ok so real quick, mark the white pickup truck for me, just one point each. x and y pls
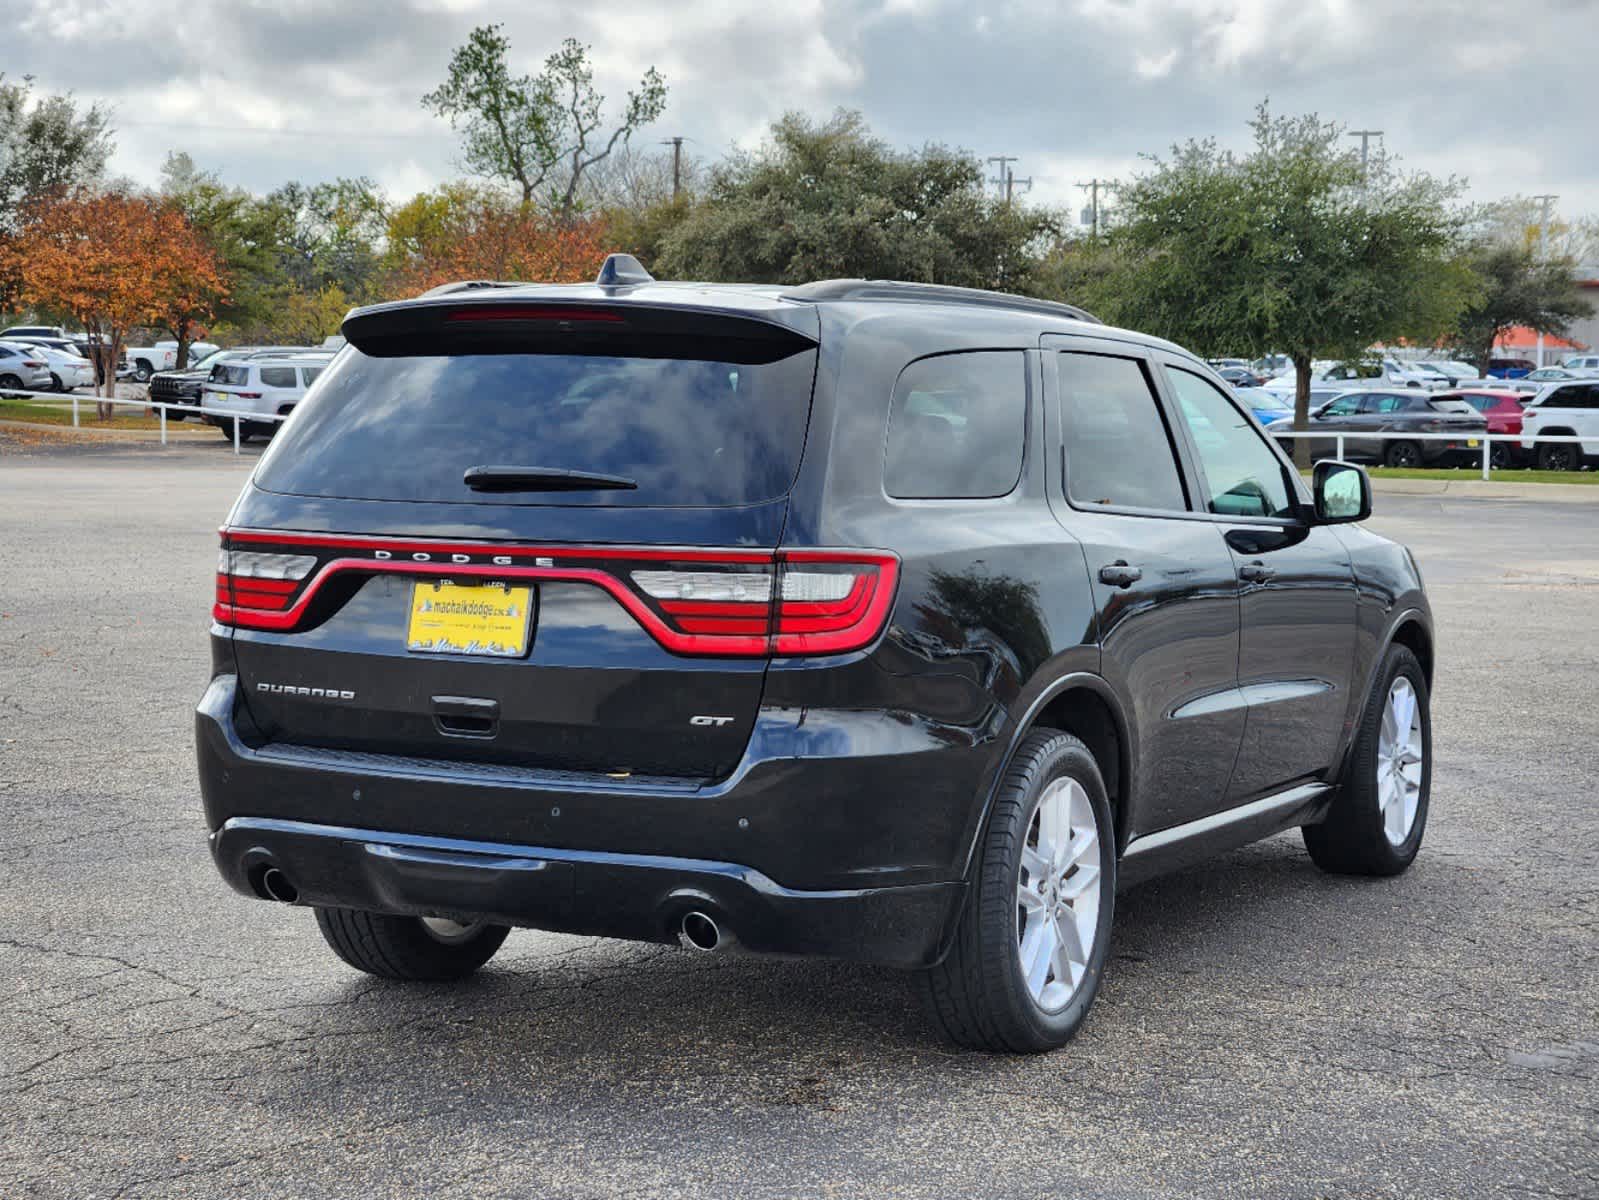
(145, 361)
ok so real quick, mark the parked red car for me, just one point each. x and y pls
(1502, 409)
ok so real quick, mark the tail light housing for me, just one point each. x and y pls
(693, 601)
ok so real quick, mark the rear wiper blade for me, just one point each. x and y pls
(543, 479)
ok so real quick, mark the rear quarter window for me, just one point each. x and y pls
(278, 377)
(957, 427)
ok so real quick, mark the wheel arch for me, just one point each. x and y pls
(1411, 629)
(1087, 707)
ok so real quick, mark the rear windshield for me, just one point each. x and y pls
(688, 432)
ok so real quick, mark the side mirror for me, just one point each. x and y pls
(1342, 491)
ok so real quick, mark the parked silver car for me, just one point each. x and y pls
(23, 368)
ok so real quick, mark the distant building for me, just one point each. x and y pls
(1586, 331)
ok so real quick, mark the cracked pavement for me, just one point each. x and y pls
(1264, 1030)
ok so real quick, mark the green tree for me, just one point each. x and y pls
(47, 143)
(1526, 275)
(1517, 289)
(1292, 247)
(830, 200)
(535, 130)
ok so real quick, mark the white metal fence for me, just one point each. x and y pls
(160, 405)
(1485, 441)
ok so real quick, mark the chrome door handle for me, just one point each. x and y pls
(1119, 574)
(1256, 572)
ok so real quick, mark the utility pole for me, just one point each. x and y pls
(1006, 175)
(1092, 188)
(1365, 136)
(676, 144)
(1547, 201)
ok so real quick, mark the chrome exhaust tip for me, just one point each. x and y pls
(276, 886)
(700, 932)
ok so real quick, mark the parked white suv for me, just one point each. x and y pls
(259, 387)
(1586, 364)
(1562, 409)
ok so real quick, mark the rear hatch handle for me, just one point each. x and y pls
(466, 716)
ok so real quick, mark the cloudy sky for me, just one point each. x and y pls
(266, 91)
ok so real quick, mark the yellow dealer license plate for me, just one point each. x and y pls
(1472, 442)
(488, 619)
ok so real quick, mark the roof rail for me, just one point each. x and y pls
(466, 285)
(888, 289)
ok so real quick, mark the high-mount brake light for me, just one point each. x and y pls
(509, 313)
(692, 600)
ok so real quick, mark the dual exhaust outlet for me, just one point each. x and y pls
(697, 931)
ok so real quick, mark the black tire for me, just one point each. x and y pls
(1560, 456)
(977, 995)
(142, 371)
(1402, 454)
(1500, 457)
(11, 382)
(1352, 841)
(403, 947)
(55, 383)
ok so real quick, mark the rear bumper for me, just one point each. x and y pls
(643, 898)
(580, 855)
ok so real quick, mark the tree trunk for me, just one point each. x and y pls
(182, 333)
(112, 351)
(1302, 410)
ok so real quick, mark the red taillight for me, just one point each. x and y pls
(28, 362)
(825, 602)
(247, 580)
(723, 603)
(526, 313)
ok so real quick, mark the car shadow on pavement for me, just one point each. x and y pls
(577, 1019)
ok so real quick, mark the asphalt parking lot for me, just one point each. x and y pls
(1264, 1030)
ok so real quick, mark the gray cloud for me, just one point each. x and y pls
(270, 91)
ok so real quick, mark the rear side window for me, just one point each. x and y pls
(957, 427)
(1118, 450)
(278, 377)
(687, 432)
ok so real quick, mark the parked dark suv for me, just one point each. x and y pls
(874, 620)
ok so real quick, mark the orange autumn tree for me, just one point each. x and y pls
(460, 233)
(188, 282)
(114, 261)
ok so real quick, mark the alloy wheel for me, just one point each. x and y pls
(1057, 894)
(451, 933)
(1400, 761)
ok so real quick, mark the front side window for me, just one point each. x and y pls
(1243, 478)
(1118, 450)
(1344, 406)
(957, 427)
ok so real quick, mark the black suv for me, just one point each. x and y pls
(882, 621)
